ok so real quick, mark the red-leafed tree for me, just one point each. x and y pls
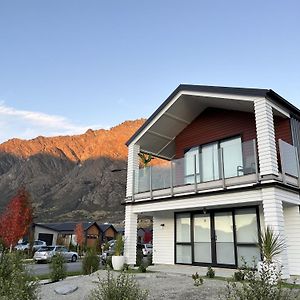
(16, 219)
(79, 232)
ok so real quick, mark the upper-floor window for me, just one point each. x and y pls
(206, 160)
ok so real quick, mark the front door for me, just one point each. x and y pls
(214, 239)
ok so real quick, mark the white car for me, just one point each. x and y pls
(147, 249)
(47, 252)
(37, 244)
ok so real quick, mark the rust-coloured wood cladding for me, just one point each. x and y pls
(283, 129)
(92, 236)
(215, 124)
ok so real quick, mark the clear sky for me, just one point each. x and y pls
(67, 65)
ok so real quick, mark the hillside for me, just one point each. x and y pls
(69, 177)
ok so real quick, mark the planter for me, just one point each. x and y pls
(118, 262)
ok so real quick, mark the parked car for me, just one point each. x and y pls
(147, 249)
(37, 244)
(47, 252)
(107, 253)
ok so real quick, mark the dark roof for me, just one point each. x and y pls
(67, 227)
(104, 227)
(218, 89)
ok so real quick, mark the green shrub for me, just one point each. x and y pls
(197, 279)
(142, 268)
(90, 262)
(239, 275)
(119, 245)
(108, 263)
(58, 269)
(126, 268)
(15, 281)
(260, 285)
(139, 257)
(122, 287)
(149, 259)
(210, 272)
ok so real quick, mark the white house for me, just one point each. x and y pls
(231, 169)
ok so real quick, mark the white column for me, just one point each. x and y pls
(130, 235)
(132, 165)
(265, 131)
(274, 218)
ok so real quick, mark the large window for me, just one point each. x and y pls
(246, 236)
(183, 239)
(208, 160)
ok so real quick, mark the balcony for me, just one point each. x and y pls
(233, 164)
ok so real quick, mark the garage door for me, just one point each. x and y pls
(46, 237)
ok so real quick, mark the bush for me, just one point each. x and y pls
(139, 256)
(197, 279)
(119, 245)
(90, 262)
(210, 272)
(126, 268)
(122, 287)
(239, 275)
(58, 269)
(149, 259)
(142, 268)
(260, 285)
(108, 263)
(15, 281)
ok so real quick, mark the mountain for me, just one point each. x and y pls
(69, 177)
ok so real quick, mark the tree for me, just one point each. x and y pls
(16, 219)
(79, 232)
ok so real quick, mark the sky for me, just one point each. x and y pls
(66, 66)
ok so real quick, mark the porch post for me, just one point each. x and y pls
(273, 218)
(132, 165)
(265, 131)
(130, 235)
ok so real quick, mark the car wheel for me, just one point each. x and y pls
(74, 258)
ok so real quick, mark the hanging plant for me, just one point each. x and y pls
(145, 159)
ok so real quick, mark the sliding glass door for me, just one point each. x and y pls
(206, 161)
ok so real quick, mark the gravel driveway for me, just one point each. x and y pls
(159, 285)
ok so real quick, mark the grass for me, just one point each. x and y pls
(69, 274)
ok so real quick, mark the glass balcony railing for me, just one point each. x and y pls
(231, 160)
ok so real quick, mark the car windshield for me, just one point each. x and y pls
(43, 249)
(149, 245)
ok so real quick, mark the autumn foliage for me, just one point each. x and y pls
(16, 219)
(79, 232)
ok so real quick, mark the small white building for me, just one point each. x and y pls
(231, 169)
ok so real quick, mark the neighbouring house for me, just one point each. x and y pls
(108, 232)
(230, 167)
(63, 233)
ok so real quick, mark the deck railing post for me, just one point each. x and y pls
(297, 164)
(133, 185)
(222, 168)
(150, 182)
(195, 172)
(255, 160)
(282, 161)
(171, 179)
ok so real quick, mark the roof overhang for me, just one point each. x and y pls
(187, 102)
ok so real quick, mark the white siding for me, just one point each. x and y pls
(38, 230)
(265, 137)
(163, 238)
(273, 217)
(292, 230)
(132, 165)
(130, 235)
(208, 201)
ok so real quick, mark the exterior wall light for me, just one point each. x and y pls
(162, 226)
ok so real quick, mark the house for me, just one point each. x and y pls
(108, 232)
(230, 168)
(53, 233)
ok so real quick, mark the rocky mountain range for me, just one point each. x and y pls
(69, 177)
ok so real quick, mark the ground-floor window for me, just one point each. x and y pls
(218, 238)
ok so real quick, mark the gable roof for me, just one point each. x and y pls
(66, 227)
(156, 136)
(104, 227)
